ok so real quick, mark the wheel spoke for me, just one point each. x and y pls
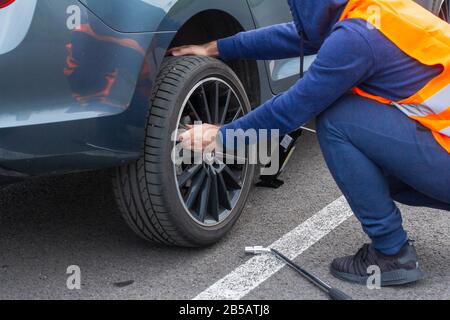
(216, 103)
(225, 109)
(224, 197)
(237, 115)
(231, 179)
(206, 105)
(213, 203)
(188, 175)
(195, 189)
(204, 197)
(194, 111)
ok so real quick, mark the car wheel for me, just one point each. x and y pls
(186, 205)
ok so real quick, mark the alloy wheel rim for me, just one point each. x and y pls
(210, 191)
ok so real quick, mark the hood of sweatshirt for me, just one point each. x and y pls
(315, 19)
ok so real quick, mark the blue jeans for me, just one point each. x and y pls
(377, 155)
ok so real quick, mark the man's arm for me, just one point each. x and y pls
(345, 60)
(276, 42)
(271, 43)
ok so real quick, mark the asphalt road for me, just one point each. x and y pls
(49, 224)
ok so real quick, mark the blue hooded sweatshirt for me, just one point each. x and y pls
(349, 54)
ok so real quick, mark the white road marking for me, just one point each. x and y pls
(258, 269)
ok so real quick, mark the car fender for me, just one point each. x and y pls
(162, 15)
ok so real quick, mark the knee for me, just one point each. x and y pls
(324, 121)
(327, 123)
(345, 112)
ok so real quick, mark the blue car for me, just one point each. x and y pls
(87, 85)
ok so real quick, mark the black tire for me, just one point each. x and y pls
(147, 191)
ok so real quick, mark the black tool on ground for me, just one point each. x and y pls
(333, 293)
(286, 149)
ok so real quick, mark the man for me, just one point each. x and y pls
(389, 140)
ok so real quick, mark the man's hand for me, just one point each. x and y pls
(208, 50)
(200, 137)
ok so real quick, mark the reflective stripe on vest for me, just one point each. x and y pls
(440, 101)
(424, 37)
(445, 131)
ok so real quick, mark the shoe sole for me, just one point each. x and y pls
(392, 278)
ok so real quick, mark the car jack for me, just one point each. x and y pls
(285, 151)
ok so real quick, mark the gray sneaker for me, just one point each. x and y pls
(399, 269)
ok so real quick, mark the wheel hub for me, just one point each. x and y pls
(209, 158)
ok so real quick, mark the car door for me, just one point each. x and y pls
(283, 73)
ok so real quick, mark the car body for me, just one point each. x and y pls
(46, 128)
(77, 77)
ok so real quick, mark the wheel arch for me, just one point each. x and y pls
(203, 28)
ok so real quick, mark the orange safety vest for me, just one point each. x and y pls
(424, 37)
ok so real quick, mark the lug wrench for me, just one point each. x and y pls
(333, 293)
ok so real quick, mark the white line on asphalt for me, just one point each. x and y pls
(258, 269)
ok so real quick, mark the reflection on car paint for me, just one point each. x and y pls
(15, 21)
(91, 80)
